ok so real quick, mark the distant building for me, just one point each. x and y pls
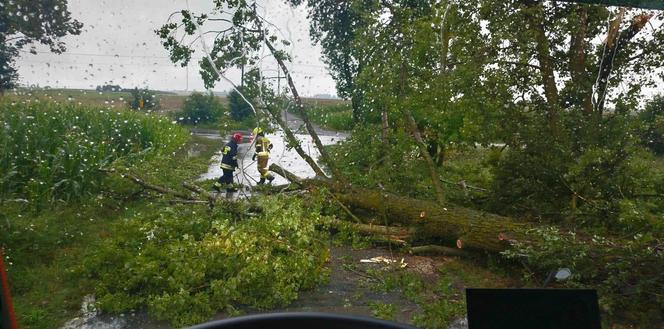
(325, 96)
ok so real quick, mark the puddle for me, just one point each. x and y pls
(89, 318)
(247, 174)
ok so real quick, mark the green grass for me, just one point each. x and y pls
(659, 163)
(383, 311)
(44, 250)
(440, 298)
(331, 116)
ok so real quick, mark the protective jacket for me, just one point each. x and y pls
(263, 146)
(229, 156)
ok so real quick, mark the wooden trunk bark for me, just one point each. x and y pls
(415, 131)
(292, 140)
(433, 171)
(452, 225)
(614, 44)
(577, 65)
(429, 221)
(535, 19)
(303, 114)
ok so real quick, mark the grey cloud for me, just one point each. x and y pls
(118, 45)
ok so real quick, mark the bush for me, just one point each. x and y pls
(240, 110)
(53, 152)
(109, 88)
(397, 167)
(582, 176)
(201, 108)
(143, 99)
(652, 122)
(184, 271)
(626, 275)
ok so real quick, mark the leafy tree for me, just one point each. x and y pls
(8, 74)
(239, 108)
(547, 58)
(572, 152)
(24, 22)
(109, 88)
(523, 72)
(652, 119)
(143, 99)
(238, 45)
(200, 108)
(333, 25)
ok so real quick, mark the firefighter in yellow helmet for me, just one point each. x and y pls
(263, 148)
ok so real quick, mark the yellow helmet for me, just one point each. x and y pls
(257, 131)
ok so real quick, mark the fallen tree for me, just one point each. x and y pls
(614, 266)
(427, 220)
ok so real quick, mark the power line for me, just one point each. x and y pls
(104, 55)
(121, 65)
(145, 56)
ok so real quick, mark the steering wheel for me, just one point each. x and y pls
(302, 320)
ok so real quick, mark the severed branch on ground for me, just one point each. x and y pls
(448, 228)
(438, 250)
(199, 196)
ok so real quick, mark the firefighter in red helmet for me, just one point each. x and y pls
(228, 165)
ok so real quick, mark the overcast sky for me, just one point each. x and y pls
(118, 46)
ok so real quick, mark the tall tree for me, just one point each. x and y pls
(333, 25)
(547, 51)
(240, 33)
(25, 22)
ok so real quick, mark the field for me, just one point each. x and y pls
(168, 101)
(116, 100)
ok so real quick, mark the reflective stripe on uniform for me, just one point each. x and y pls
(263, 146)
(226, 166)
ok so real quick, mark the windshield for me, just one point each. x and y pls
(168, 163)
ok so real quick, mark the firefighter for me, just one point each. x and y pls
(228, 165)
(263, 148)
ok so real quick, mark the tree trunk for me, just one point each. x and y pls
(300, 109)
(435, 178)
(303, 114)
(424, 150)
(445, 40)
(453, 225)
(293, 141)
(438, 250)
(614, 43)
(535, 17)
(355, 108)
(430, 221)
(581, 80)
(386, 127)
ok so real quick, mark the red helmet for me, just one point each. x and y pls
(237, 137)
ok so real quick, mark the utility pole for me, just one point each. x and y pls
(278, 82)
(242, 78)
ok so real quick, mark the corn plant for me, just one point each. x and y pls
(51, 152)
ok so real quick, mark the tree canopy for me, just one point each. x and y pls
(24, 23)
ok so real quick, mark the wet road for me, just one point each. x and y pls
(247, 174)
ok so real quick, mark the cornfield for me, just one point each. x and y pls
(51, 152)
